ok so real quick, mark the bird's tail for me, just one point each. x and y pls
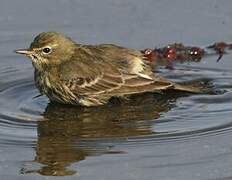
(199, 87)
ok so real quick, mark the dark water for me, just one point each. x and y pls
(170, 136)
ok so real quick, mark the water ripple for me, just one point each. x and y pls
(32, 122)
(146, 115)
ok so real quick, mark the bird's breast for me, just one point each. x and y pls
(53, 89)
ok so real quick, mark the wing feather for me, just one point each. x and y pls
(103, 77)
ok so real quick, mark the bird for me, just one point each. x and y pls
(90, 75)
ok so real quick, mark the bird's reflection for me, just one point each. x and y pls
(68, 134)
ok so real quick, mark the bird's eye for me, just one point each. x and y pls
(47, 50)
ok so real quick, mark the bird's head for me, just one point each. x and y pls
(49, 49)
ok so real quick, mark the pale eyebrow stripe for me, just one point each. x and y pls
(54, 45)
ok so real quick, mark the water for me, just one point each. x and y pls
(170, 136)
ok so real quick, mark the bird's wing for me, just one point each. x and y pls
(127, 60)
(137, 83)
(100, 77)
(89, 81)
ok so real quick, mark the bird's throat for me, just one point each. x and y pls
(39, 64)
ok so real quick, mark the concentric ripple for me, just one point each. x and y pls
(167, 136)
(148, 117)
(29, 120)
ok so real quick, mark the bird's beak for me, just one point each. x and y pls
(26, 52)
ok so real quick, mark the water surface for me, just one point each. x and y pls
(168, 136)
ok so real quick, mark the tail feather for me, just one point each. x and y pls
(200, 87)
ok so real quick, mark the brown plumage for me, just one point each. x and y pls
(89, 75)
